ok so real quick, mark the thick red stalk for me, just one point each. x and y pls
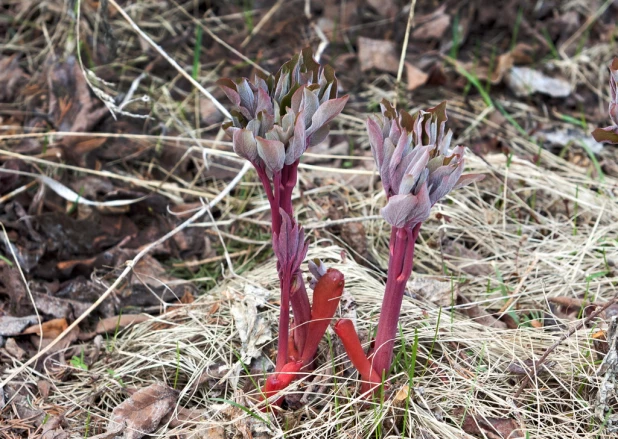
(346, 332)
(301, 308)
(284, 323)
(399, 270)
(326, 297)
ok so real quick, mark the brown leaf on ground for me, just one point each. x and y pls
(433, 290)
(11, 326)
(118, 322)
(415, 77)
(464, 259)
(377, 54)
(517, 368)
(14, 349)
(570, 303)
(143, 411)
(51, 328)
(386, 8)
(355, 236)
(71, 106)
(53, 428)
(11, 78)
(479, 315)
(432, 26)
(492, 428)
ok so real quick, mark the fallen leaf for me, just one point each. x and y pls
(479, 315)
(253, 329)
(118, 322)
(524, 81)
(517, 368)
(432, 26)
(435, 291)
(143, 411)
(11, 326)
(415, 77)
(53, 428)
(377, 54)
(51, 328)
(491, 428)
(13, 349)
(11, 78)
(386, 8)
(562, 137)
(464, 259)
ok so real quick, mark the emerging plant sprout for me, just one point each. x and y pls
(275, 119)
(417, 168)
(610, 134)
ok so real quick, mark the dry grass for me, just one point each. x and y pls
(462, 366)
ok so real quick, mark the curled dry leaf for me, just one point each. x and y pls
(111, 324)
(435, 291)
(479, 315)
(492, 428)
(143, 411)
(432, 26)
(377, 54)
(415, 76)
(11, 326)
(51, 328)
(524, 81)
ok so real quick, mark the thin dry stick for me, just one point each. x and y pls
(537, 365)
(127, 270)
(405, 47)
(258, 27)
(180, 70)
(23, 278)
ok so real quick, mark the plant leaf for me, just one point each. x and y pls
(272, 152)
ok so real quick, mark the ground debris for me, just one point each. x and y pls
(143, 411)
(607, 394)
(525, 81)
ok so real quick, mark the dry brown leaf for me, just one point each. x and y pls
(14, 349)
(11, 77)
(464, 259)
(479, 315)
(415, 77)
(386, 8)
(568, 302)
(377, 54)
(117, 322)
(433, 290)
(143, 411)
(432, 26)
(492, 428)
(51, 328)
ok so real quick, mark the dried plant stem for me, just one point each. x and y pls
(537, 365)
(130, 264)
(404, 49)
(179, 69)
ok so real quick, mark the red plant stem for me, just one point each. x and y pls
(301, 308)
(399, 270)
(344, 329)
(284, 324)
(288, 184)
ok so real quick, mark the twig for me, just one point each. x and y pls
(406, 38)
(258, 27)
(180, 70)
(127, 270)
(537, 365)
